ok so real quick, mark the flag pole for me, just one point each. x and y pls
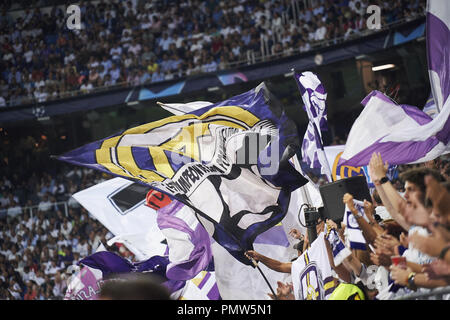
(255, 264)
(322, 148)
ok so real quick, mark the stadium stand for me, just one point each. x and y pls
(129, 43)
(43, 231)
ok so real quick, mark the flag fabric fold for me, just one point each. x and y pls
(438, 48)
(110, 263)
(430, 107)
(188, 242)
(150, 225)
(119, 204)
(402, 134)
(227, 161)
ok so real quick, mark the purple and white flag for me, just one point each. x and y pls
(111, 263)
(119, 205)
(188, 241)
(438, 47)
(353, 232)
(85, 283)
(430, 107)
(338, 248)
(402, 134)
(314, 97)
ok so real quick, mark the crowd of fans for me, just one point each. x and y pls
(405, 227)
(140, 42)
(41, 239)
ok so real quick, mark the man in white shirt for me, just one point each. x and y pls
(28, 55)
(45, 204)
(135, 48)
(196, 45)
(66, 228)
(116, 51)
(51, 268)
(82, 248)
(86, 87)
(165, 42)
(14, 210)
(114, 73)
(320, 32)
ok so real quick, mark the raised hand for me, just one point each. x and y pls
(348, 200)
(294, 233)
(380, 259)
(369, 209)
(377, 169)
(386, 244)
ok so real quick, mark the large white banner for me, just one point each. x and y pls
(119, 204)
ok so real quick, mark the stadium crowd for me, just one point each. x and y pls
(41, 240)
(140, 42)
(405, 227)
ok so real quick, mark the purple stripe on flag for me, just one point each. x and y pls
(438, 46)
(214, 294)
(413, 112)
(416, 114)
(377, 94)
(167, 220)
(172, 208)
(204, 280)
(274, 236)
(444, 134)
(107, 262)
(395, 153)
(199, 257)
(174, 285)
(88, 279)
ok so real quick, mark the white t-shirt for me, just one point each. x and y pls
(312, 276)
(28, 56)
